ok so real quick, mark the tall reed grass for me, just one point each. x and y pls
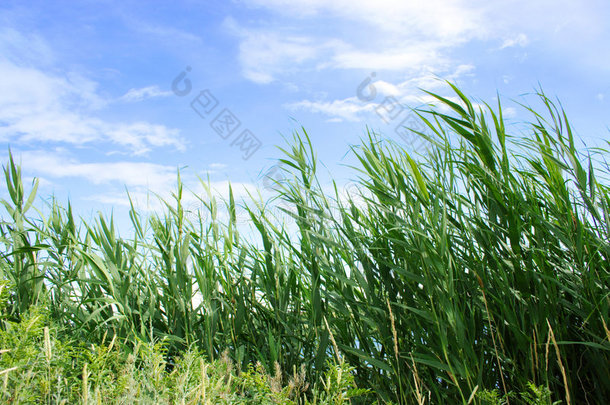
(481, 265)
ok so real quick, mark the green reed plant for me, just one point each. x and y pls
(484, 255)
(480, 266)
(20, 265)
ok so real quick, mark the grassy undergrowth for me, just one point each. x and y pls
(466, 275)
(40, 368)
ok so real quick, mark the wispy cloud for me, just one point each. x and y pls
(43, 105)
(349, 109)
(449, 19)
(265, 53)
(145, 93)
(146, 182)
(142, 137)
(167, 33)
(395, 35)
(25, 49)
(519, 40)
(404, 57)
(60, 165)
(407, 92)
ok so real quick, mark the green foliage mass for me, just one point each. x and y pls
(39, 368)
(465, 274)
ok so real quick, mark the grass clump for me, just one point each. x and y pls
(462, 275)
(36, 367)
(535, 395)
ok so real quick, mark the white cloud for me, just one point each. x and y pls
(25, 49)
(170, 34)
(381, 35)
(509, 112)
(43, 105)
(387, 89)
(264, 53)
(132, 174)
(349, 109)
(145, 93)
(519, 40)
(142, 137)
(383, 95)
(433, 18)
(146, 182)
(405, 57)
(400, 35)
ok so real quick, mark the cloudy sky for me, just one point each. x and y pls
(100, 97)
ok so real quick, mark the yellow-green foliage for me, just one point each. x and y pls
(37, 368)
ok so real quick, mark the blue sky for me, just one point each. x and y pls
(87, 105)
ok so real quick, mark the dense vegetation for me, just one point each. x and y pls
(468, 274)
